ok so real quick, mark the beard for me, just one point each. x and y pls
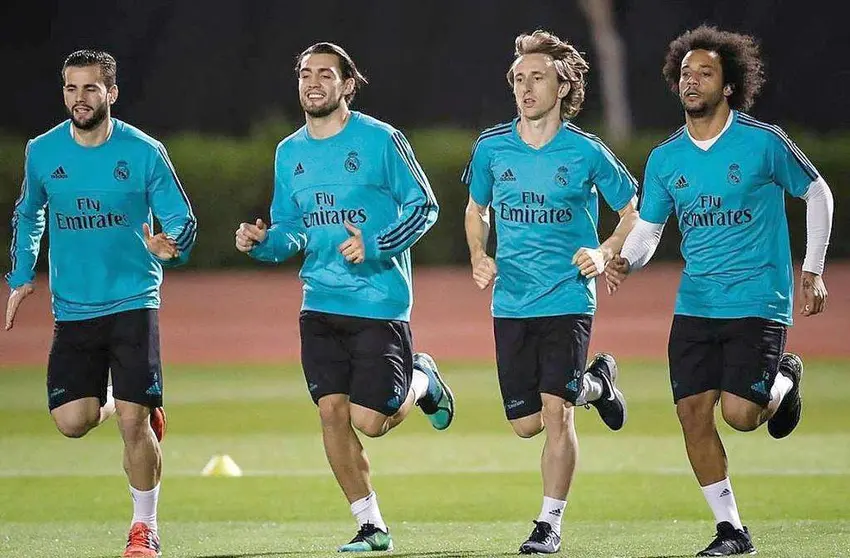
(322, 110)
(97, 117)
(697, 111)
(705, 108)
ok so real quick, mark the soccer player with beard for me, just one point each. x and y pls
(543, 176)
(725, 175)
(349, 192)
(104, 182)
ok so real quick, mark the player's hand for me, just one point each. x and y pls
(591, 261)
(616, 272)
(249, 235)
(159, 244)
(484, 271)
(813, 292)
(15, 298)
(353, 248)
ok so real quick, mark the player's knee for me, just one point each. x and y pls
(74, 428)
(553, 408)
(528, 427)
(743, 419)
(74, 421)
(373, 428)
(369, 422)
(334, 411)
(134, 427)
(528, 432)
(556, 412)
(694, 415)
(133, 421)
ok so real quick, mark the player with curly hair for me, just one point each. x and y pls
(725, 175)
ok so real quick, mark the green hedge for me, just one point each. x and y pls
(229, 180)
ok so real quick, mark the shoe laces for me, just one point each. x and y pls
(718, 538)
(366, 530)
(731, 538)
(141, 536)
(542, 532)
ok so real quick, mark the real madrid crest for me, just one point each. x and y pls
(734, 174)
(562, 177)
(122, 170)
(352, 163)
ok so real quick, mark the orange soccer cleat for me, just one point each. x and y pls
(142, 542)
(158, 422)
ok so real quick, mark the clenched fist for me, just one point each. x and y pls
(249, 235)
(484, 271)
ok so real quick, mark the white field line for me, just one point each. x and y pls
(836, 471)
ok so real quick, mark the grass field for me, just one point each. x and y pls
(470, 491)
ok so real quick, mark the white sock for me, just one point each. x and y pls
(591, 388)
(419, 384)
(552, 512)
(108, 408)
(144, 506)
(721, 500)
(781, 386)
(365, 510)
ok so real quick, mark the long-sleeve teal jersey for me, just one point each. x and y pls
(730, 204)
(368, 176)
(94, 201)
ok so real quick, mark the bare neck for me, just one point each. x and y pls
(94, 137)
(323, 127)
(708, 126)
(538, 133)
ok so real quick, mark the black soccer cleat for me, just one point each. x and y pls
(729, 541)
(787, 416)
(542, 540)
(611, 405)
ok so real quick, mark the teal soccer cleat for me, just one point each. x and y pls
(369, 538)
(438, 403)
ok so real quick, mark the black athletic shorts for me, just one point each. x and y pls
(540, 355)
(85, 352)
(369, 360)
(739, 355)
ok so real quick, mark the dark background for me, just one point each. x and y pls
(224, 66)
(214, 80)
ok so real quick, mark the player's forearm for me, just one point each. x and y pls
(281, 243)
(187, 235)
(404, 233)
(27, 230)
(641, 242)
(819, 209)
(614, 243)
(184, 231)
(477, 228)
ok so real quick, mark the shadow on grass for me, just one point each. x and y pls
(452, 554)
(428, 554)
(431, 554)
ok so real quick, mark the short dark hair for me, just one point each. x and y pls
(87, 57)
(740, 59)
(346, 64)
